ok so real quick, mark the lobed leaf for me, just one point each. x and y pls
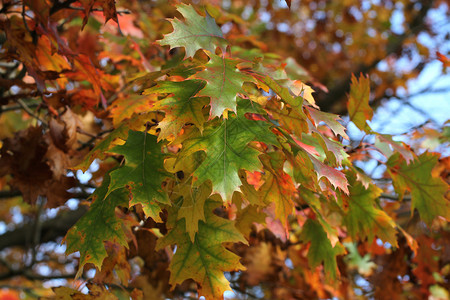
(101, 149)
(180, 107)
(363, 219)
(278, 187)
(226, 144)
(192, 209)
(321, 249)
(336, 177)
(97, 226)
(204, 259)
(224, 83)
(358, 106)
(427, 192)
(331, 120)
(143, 172)
(195, 32)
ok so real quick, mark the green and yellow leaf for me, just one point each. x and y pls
(204, 259)
(143, 172)
(195, 32)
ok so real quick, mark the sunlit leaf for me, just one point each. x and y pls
(195, 32)
(224, 83)
(358, 106)
(226, 143)
(205, 259)
(427, 191)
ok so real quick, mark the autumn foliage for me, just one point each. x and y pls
(208, 163)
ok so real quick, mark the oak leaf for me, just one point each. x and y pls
(204, 259)
(321, 249)
(143, 172)
(192, 209)
(358, 106)
(224, 83)
(363, 218)
(97, 226)
(278, 187)
(331, 120)
(195, 32)
(226, 143)
(427, 192)
(181, 106)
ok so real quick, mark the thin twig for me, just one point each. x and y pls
(36, 230)
(92, 139)
(394, 197)
(15, 193)
(9, 194)
(30, 112)
(25, 22)
(17, 107)
(81, 131)
(125, 11)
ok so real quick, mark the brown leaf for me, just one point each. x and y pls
(258, 263)
(25, 158)
(109, 10)
(116, 264)
(63, 130)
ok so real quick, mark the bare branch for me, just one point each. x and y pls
(125, 11)
(417, 24)
(394, 197)
(51, 229)
(9, 194)
(30, 112)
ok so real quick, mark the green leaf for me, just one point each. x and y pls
(143, 172)
(98, 225)
(224, 82)
(427, 192)
(363, 219)
(226, 143)
(321, 249)
(303, 170)
(355, 260)
(324, 209)
(358, 106)
(205, 259)
(195, 32)
(180, 107)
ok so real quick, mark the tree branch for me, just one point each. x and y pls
(32, 276)
(119, 12)
(15, 193)
(9, 194)
(51, 229)
(339, 90)
(30, 112)
(395, 197)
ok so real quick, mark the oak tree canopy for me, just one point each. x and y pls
(154, 150)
